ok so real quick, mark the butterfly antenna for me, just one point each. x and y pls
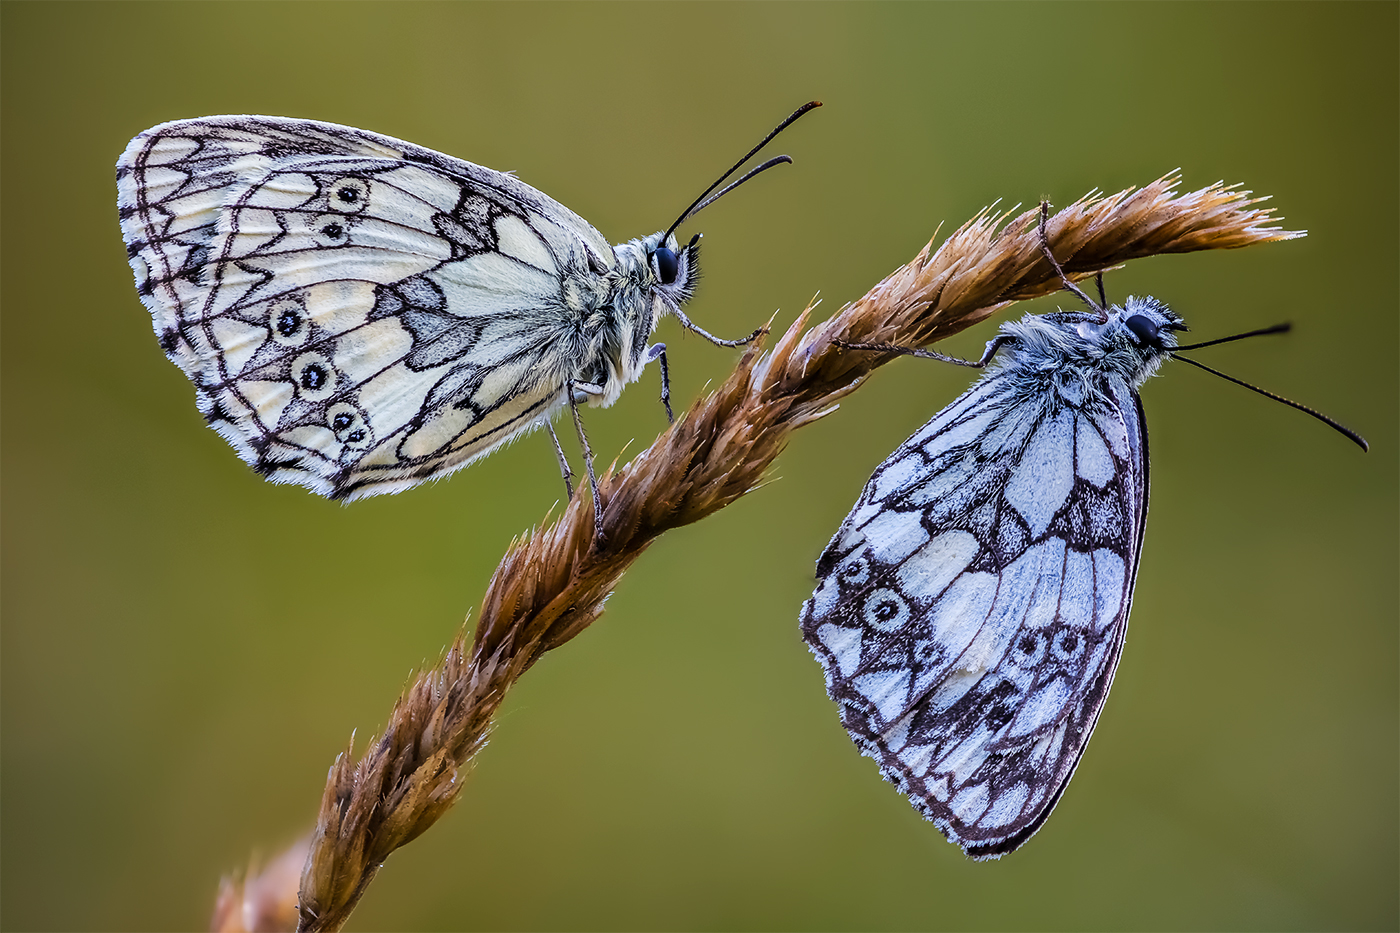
(1102, 309)
(776, 160)
(1356, 438)
(705, 200)
(1276, 329)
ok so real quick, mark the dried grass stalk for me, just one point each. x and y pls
(551, 584)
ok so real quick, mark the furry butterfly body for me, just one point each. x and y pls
(971, 610)
(359, 314)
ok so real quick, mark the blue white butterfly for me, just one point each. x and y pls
(359, 314)
(971, 609)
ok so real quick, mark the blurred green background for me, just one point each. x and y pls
(180, 666)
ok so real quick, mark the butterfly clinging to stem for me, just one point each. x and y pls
(970, 611)
(359, 314)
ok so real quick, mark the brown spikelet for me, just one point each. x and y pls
(552, 583)
(264, 899)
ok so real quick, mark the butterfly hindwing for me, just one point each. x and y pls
(357, 313)
(971, 609)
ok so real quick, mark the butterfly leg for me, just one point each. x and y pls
(575, 390)
(1055, 264)
(690, 325)
(563, 461)
(658, 352)
(993, 346)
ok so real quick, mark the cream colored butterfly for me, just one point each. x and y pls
(359, 314)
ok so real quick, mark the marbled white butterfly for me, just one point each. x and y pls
(971, 609)
(359, 314)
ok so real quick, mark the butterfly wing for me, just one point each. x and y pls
(357, 313)
(971, 609)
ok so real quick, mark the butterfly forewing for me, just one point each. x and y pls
(971, 609)
(357, 313)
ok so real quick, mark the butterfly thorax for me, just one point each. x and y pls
(617, 325)
(1082, 359)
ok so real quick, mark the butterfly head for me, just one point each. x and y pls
(670, 269)
(1140, 335)
(1150, 324)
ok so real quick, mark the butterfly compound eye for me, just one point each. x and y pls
(1143, 329)
(667, 265)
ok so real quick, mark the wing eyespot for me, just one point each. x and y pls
(331, 230)
(886, 610)
(314, 377)
(855, 572)
(1067, 646)
(288, 321)
(350, 426)
(1029, 651)
(348, 195)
